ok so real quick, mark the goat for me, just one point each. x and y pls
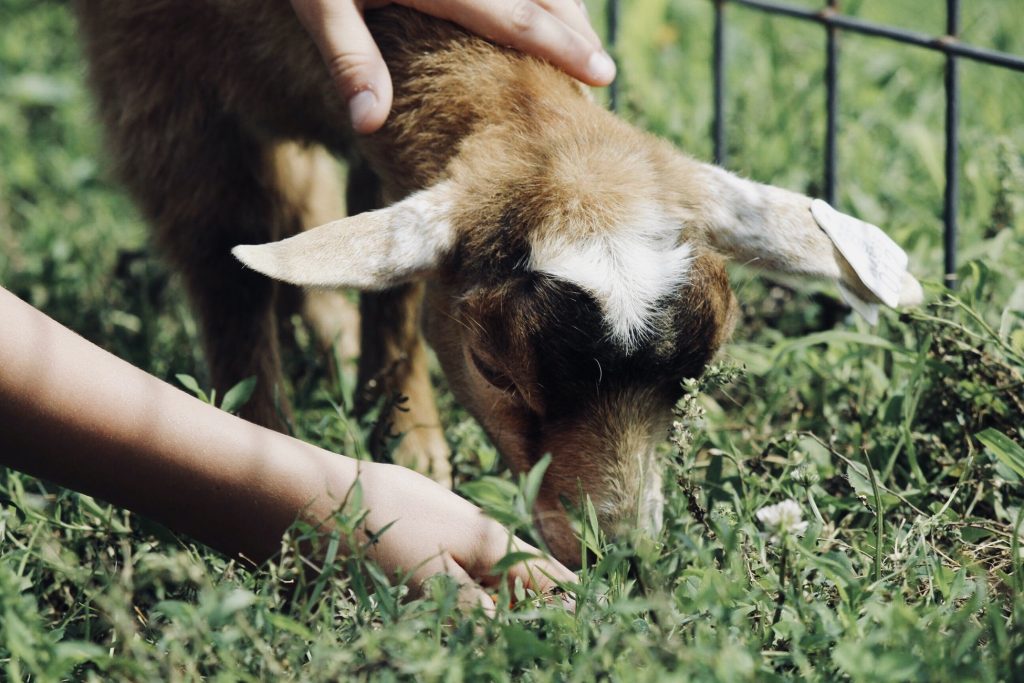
(568, 268)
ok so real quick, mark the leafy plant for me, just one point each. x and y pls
(899, 445)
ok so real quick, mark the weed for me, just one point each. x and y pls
(898, 445)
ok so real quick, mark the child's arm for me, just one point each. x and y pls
(75, 414)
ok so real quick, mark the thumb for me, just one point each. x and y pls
(352, 57)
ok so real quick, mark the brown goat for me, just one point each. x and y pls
(572, 264)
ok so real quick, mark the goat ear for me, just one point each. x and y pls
(779, 230)
(370, 251)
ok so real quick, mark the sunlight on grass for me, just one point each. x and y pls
(899, 447)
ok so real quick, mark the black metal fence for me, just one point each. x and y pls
(833, 21)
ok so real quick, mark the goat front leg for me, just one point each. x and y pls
(309, 182)
(394, 364)
(236, 314)
(206, 184)
(235, 306)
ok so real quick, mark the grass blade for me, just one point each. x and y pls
(1004, 448)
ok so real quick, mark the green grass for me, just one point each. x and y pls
(901, 443)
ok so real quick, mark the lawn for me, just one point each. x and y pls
(900, 444)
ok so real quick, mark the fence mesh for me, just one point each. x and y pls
(834, 22)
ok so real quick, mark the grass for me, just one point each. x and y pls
(901, 443)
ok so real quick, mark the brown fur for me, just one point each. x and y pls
(208, 107)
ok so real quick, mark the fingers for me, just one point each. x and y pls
(431, 531)
(572, 13)
(470, 592)
(554, 30)
(352, 57)
(542, 574)
(538, 572)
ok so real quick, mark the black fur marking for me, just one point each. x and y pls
(492, 261)
(563, 328)
(576, 354)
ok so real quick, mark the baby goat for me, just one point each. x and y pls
(568, 268)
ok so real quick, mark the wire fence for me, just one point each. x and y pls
(834, 22)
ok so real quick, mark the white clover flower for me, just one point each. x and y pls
(782, 519)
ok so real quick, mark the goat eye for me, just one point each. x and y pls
(495, 377)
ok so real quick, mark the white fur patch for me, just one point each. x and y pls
(627, 269)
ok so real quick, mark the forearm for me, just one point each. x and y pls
(77, 415)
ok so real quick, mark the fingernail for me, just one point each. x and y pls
(360, 108)
(601, 68)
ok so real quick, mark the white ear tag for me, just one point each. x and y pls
(878, 261)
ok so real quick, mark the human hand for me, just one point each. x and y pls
(94, 423)
(434, 531)
(555, 30)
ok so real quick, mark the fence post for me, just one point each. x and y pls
(831, 102)
(719, 83)
(612, 25)
(834, 21)
(952, 140)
